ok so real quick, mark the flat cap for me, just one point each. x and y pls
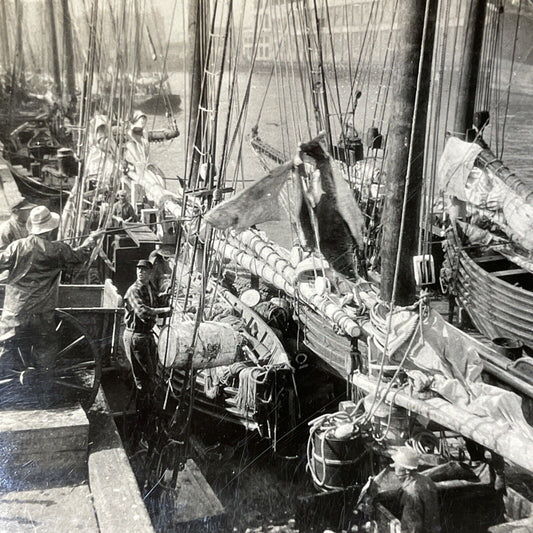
(144, 263)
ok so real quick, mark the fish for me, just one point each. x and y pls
(340, 221)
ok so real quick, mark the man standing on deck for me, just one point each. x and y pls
(14, 227)
(419, 498)
(143, 306)
(35, 263)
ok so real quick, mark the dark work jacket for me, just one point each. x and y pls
(420, 505)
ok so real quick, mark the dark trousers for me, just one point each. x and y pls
(141, 352)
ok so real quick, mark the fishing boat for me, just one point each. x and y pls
(153, 95)
(349, 324)
(366, 172)
(258, 384)
(250, 389)
(489, 244)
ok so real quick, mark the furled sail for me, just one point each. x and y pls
(491, 192)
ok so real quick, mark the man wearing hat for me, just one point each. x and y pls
(419, 498)
(14, 227)
(35, 264)
(143, 306)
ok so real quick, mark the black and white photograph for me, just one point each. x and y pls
(266, 266)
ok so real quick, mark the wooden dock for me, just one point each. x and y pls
(64, 470)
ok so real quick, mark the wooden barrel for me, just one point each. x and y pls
(388, 421)
(337, 463)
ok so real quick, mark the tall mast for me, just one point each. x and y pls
(404, 165)
(198, 15)
(17, 67)
(137, 40)
(4, 37)
(466, 96)
(55, 52)
(68, 50)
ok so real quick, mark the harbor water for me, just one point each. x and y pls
(518, 131)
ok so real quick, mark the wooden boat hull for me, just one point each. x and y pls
(333, 349)
(40, 193)
(274, 388)
(499, 304)
(157, 104)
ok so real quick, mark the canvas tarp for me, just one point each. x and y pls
(444, 360)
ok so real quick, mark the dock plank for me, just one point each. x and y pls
(117, 499)
(45, 444)
(51, 510)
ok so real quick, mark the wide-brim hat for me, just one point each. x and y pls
(406, 458)
(42, 220)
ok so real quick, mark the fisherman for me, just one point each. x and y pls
(14, 227)
(35, 263)
(419, 498)
(143, 306)
(122, 210)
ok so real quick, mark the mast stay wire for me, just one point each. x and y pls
(233, 91)
(436, 96)
(293, 68)
(350, 102)
(301, 58)
(285, 71)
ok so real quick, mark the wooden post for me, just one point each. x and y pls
(17, 80)
(55, 52)
(466, 95)
(402, 157)
(137, 39)
(69, 50)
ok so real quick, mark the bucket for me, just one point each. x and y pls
(337, 462)
(511, 348)
(394, 429)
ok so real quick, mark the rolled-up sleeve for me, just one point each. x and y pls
(73, 256)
